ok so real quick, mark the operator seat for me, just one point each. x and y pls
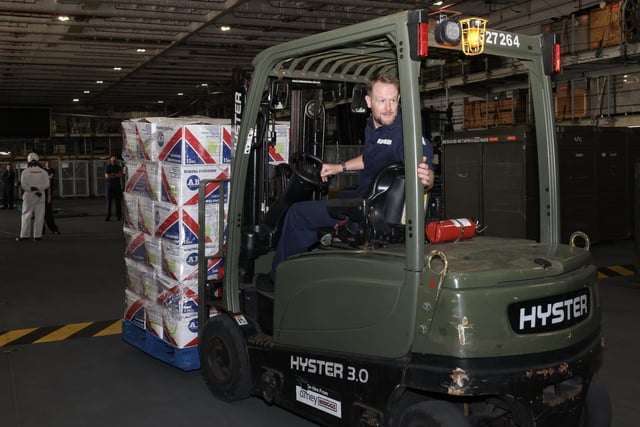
(376, 218)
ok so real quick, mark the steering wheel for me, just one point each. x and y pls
(307, 167)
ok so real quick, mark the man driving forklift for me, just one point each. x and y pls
(383, 145)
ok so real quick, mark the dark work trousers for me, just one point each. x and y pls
(7, 196)
(300, 229)
(48, 217)
(113, 192)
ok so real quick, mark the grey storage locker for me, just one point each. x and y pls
(491, 176)
(462, 182)
(611, 184)
(633, 149)
(511, 202)
(576, 158)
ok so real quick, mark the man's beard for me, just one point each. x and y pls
(379, 119)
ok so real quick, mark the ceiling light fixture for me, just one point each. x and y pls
(76, 99)
(63, 18)
(225, 28)
(87, 91)
(204, 84)
(141, 50)
(160, 102)
(437, 3)
(99, 82)
(180, 93)
(117, 68)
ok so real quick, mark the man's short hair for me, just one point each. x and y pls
(382, 77)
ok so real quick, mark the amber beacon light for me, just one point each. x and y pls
(473, 31)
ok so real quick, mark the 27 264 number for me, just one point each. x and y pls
(502, 39)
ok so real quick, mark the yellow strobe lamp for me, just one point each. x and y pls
(473, 31)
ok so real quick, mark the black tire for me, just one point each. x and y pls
(597, 406)
(224, 360)
(433, 413)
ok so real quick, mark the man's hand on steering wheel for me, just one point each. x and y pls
(307, 168)
(329, 170)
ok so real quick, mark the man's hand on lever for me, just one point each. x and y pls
(425, 174)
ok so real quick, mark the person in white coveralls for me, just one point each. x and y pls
(34, 182)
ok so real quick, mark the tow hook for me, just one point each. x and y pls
(582, 235)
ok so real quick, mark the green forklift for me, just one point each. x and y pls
(377, 325)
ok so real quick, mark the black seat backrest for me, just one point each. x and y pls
(379, 212)
(386, 200)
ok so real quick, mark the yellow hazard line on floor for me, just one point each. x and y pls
(63, 333)
(114, 329)
(59, 333)
(621, 270)
(616, 271)
(7, 337)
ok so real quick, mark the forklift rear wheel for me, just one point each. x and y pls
(224, 360)
(597, 407)
(433, 413)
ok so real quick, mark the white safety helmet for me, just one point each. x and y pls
(32, 157)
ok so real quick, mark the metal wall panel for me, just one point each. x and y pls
(73, 178)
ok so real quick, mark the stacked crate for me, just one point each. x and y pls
(504, 111)
(605, 26)
(166, 158)
(571, 102)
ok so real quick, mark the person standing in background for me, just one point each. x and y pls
(48, 205)
(113, 175)
(34, 182)
(8, 184)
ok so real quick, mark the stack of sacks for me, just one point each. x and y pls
(166, 159)
(279, 150)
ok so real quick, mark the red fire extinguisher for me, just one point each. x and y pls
(450, 230)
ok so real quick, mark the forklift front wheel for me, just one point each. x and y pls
(433, 413)
(224, 360)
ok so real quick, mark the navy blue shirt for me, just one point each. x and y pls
(113, 183)
(383, 146)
